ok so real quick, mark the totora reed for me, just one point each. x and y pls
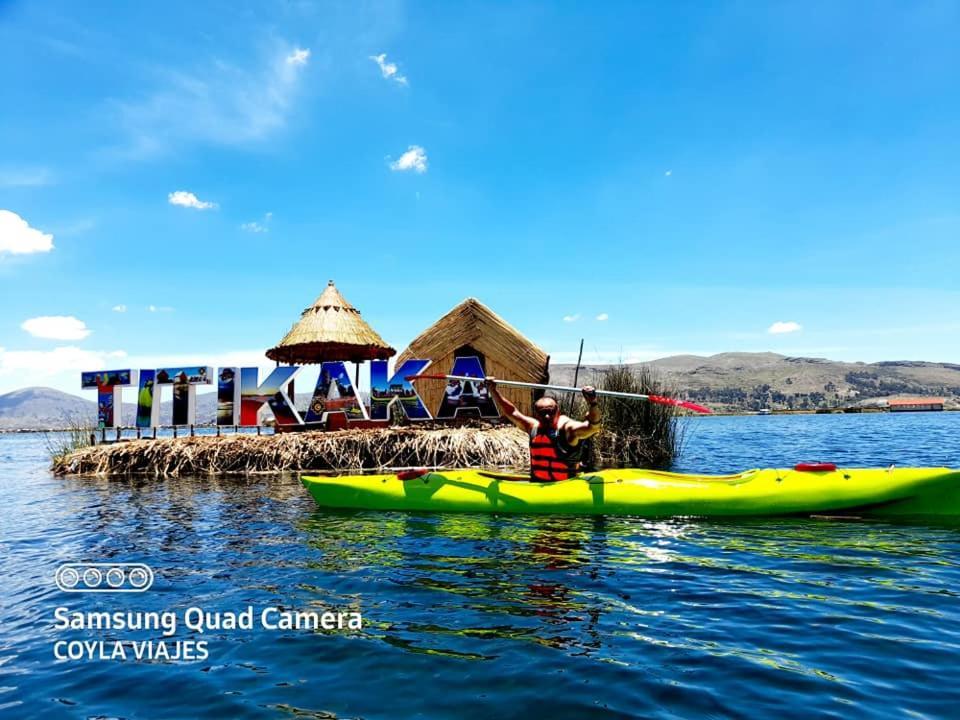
(313, 451)
(347, 450)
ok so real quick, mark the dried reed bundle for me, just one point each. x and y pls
(354, 450)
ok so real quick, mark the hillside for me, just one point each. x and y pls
(41, 407)
(45, 408)
(750, 381)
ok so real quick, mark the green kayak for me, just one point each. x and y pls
(815, 489)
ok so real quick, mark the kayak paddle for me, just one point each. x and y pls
(659, 399)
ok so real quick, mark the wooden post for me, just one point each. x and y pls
(576, 372)
(576, 376)
(191, 431)
(174, 432)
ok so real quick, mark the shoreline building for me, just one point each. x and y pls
(928, 404)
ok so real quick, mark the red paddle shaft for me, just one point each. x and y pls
(659, 399)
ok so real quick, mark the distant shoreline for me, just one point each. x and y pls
(251, 430)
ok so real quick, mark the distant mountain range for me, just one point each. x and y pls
(42, 408)
(45, 408)
(751, 381)
(728, 381)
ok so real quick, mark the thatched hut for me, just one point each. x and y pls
(472, 328)
(330, 329)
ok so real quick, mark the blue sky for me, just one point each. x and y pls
(696, 174)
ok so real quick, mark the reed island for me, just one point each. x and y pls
(402, 422)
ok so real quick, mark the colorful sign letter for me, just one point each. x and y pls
(228, 396)
(467, 397)
(335, 393)
(273, 391)
(184, 381)
(148, 411)
(109, 402)
(384, 391)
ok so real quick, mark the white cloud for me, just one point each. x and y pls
(571, 318)
(25, 177)
(668, 173)
(389, 70)
(780, 327)
(159, 308)
(603, 317)
(120, 308)
(56, 327)
(60, 367)
(188, 199)
(216, 103)
(415, 158)
(298, 57)
(18, 238)
(257, 227)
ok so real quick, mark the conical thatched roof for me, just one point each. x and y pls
(473, 323)
(330, 329)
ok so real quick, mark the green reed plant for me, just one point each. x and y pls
(78, 434)
(636, 433)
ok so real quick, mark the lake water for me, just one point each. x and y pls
(479, 616)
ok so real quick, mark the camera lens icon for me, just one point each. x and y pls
(68, 577)
(104, 577)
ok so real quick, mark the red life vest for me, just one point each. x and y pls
(551, 457)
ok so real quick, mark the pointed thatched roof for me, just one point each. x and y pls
(473, 323)
(330, 329)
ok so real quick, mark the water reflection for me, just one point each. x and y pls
(479, 565)
(476, 585)
(539, 614)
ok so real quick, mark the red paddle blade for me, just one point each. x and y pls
(680, 403)
(408, 378)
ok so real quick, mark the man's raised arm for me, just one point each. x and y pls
(508, 409)
(591, 425)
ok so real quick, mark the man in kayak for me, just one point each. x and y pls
(554, 438)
